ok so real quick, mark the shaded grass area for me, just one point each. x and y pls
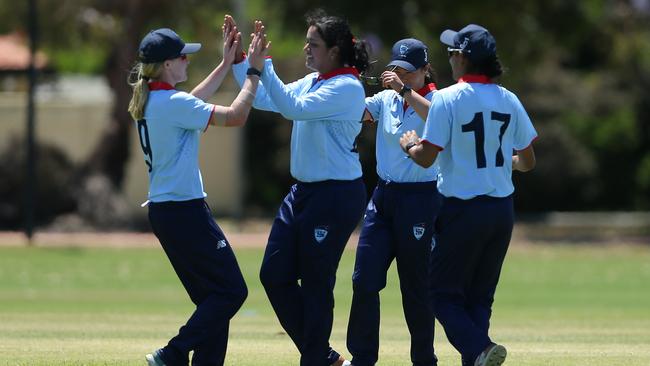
(556, 305)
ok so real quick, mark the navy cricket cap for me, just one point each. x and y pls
(473, 41)
(164, 44)
(409, 54)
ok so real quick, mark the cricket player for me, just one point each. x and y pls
(472, 129)
(399, 220)
(170, 123)
(318, 215)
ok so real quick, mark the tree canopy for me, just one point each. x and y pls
(581, 68)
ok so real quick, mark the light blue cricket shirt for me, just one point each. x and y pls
(477, 124)
(169, 136)
(393, 120)
(326, 111)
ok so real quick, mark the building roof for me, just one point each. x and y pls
(15, 55)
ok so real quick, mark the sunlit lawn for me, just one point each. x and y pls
(556, 305)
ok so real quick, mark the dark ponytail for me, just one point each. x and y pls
(335, 31)
(490, 67)
(360, 57)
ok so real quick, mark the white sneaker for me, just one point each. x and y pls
(493, 355)
(153, 359)
(341, 362)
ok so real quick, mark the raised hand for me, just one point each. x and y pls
(391, 80)
(228, 25)
(231, 43)
(259, 47)
(259, 28)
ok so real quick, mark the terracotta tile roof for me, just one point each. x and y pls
(14, 53)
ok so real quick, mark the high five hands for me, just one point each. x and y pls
(231, 42)
(258, 48)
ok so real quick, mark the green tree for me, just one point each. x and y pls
(581, 68)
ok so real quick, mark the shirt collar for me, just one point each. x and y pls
(426, 89)
(475, 78)
(160, 85)
(339, 71)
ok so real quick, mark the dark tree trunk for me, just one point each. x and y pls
(110, 155)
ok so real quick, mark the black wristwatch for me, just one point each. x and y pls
(404, 90)
(253, 71)
(409, 146)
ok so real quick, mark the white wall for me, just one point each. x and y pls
(74, 122)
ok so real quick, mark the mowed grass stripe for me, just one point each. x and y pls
(556, 305)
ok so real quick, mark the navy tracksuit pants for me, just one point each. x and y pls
(208, 269)
(299, 267)
(472, 241)
(398, 224)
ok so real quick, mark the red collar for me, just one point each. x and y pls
(339, 71)
(160, 85)
(475, 78)
(426, 89)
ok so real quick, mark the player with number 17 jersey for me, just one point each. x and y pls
(460, 119)
(478, 132)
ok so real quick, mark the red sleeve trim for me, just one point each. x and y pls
(434, 145)
(527, 146)
(209, 117)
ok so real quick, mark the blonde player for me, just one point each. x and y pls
(170, 123)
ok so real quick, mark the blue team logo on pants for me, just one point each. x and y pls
(320, 232)
(418, 231)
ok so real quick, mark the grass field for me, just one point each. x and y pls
(556, 305)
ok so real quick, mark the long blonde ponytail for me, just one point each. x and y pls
(139, 80)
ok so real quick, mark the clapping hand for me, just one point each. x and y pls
(231, 42)
(259, 46)
(229, 25)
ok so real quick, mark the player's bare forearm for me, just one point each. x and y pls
(237, 113)
(524, 160)
(210, 84)
(422, 153)
(420, 157)
(419, 103)
(241, 106)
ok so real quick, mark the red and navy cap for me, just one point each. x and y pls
(164, 44)
(473, 41)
